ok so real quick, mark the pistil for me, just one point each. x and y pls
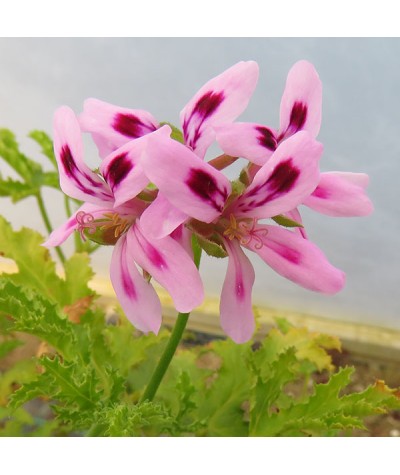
(245, 231)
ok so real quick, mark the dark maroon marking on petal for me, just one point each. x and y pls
(126, 280)
(68, 161)
(290, 255)
(205, 186)
(118, 169)
(208, 103)
(155, 257)
(283, 177)
(71, 170)
(177, 233)
(127, 283)
(204, 107)
(131, 126)
(266, 138)
(298, 116)
(280, 181)
(320, 193)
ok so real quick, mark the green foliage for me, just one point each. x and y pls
(45, 143)
(287, 222)
(123, 420)
(31, 175)
(36, 269)
(212, 248)
(228, 390)
(90, 374)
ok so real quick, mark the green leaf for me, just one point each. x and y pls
(196, 250)
(223, 403)
(50, 179)
(36, 315)
(211, 248)
(182, 391)
(268, 389)
(46, 144)
(16, 190)
(128, 420)
(326, 412)
(176, 133)
(76, 385)
(287, 222)
(37, 270)
(9, 151)
(310, 346)
(78, 273)
(35, 267)
(32, 174)
(22, 372)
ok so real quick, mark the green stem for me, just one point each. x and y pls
(166, 357)
(68, 211)
(67, 205)
(173, 341)
(46, 221)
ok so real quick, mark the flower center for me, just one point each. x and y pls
(245, 231)
(111, 226)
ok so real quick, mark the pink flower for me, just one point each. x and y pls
(111, 213)
(231, 219)
(220, 101)
(337, 193)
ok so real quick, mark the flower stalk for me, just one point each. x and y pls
(173, 341)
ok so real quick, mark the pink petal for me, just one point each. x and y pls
(221, 100)
(253, 142)
(188, 183)
(137, 297)
(341, 194)
(297, 259)
(183, 237)
(123, 172)
(289, 176)
(237, 318)
(301, 102)
(60, 234)
(112, 126)
(169, 264)
(76, 179)
(161, 218)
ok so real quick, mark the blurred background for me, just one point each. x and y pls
(360, 132)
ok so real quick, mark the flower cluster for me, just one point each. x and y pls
(154, 190)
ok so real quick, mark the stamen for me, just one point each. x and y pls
(245, 231)
(115, 220)
(87, 223)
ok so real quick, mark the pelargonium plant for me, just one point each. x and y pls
(160, 203)
(153, 227)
